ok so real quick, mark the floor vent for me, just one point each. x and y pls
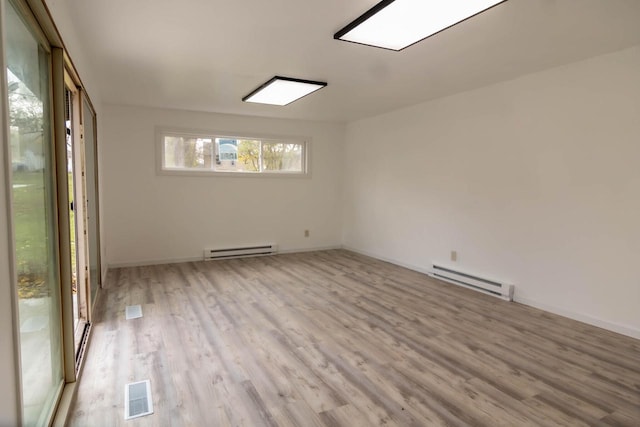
(137, 400)
(243, 251)
(491, 287)
(132, 312)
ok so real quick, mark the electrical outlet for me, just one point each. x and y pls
(454, 256)
(306, 233)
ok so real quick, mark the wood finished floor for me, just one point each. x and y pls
(334, 338)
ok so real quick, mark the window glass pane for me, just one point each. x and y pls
(232, 154)
(282, 157)
(33, 211)
(249, 155)
(227, 155)
(92, 200)
(187, 152)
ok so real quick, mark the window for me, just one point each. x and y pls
(202, 153)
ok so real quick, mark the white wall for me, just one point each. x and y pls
(535, 180)
(150, 217)
(62, 14)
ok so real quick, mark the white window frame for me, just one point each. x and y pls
(160, 155)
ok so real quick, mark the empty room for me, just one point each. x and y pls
(320, 213)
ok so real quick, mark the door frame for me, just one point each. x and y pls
(86, 101)
(38, 18)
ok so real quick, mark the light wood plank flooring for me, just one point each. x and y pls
(333, 338)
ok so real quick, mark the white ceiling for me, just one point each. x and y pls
(205, 55)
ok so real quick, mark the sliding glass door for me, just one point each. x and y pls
(92, 206)
(75, 184)
(34, 216)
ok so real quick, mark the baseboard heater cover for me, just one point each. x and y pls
(490, 287)
(241, 251)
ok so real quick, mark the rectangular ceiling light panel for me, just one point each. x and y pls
(283, 91)
(396, 24)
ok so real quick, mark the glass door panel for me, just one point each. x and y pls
(34, 219)
(68, 102)
(76, 224)
(93, 229)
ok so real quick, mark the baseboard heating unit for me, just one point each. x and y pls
(490, 287)
(241, 251)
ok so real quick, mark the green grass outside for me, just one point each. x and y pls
(30, 225)
(30, 215)
(72, 231)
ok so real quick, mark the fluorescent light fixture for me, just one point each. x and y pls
(283, 91)
(396, 24)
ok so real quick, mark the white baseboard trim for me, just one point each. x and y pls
(389, 260)
(610, 326)
(604, 324)
(192, 259)
(316, 249)
(103, 274)
(153, 262)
